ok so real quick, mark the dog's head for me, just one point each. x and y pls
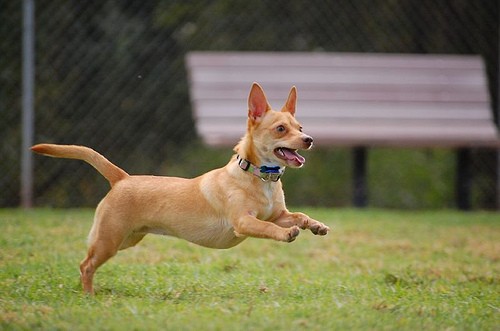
(273, 137)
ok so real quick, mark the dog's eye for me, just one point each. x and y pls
(300, 129)
(280, 128)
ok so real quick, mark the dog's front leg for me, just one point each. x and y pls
(249, 225)
(287, 219)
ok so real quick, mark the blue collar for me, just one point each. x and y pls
(265, 173)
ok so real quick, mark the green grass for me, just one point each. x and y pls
(377, 270)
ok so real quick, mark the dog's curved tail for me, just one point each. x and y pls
(110, 171)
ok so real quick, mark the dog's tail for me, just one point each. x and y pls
(110, 171)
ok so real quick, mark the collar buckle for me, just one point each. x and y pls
(244, 164)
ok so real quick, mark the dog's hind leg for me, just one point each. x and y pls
(104, 242)
(97, 255)
(94, 259)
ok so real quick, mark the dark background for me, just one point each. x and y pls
(111, 75)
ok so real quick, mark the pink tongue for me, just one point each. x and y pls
(293, 156)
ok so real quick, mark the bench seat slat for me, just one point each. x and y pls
(361, 92)
(320, 59)
(297, 75)
(333, 110)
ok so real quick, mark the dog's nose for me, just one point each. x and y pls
(307, 139)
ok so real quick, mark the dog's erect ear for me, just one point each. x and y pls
(291, 102)
(257, 102)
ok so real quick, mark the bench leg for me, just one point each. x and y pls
(463, 179)
(359, 188)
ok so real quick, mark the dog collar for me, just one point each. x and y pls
(265, 173)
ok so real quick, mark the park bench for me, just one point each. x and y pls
(353, 100)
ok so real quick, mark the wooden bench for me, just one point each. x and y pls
(353, 100)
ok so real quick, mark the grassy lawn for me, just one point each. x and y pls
(377, 270)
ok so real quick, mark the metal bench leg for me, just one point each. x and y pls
(463, 179)
(360, 196)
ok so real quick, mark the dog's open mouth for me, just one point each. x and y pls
(290, 156)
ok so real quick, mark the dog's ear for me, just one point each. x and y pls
(291, 102)
(257, 103)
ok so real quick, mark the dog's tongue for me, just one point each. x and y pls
(293, 156)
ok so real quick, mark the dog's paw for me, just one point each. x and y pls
(292, 234)
(319, 229)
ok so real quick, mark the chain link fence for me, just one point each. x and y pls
(110, 75)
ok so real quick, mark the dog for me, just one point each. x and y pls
(218, 209)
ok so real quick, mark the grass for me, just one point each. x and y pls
(377, 270)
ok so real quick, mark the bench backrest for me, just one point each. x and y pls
(347, 99)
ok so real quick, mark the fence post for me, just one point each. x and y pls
(498, 115)
(28, 77)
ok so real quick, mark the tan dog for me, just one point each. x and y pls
(218, 209)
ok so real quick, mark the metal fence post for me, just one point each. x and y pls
(498, 109)
(28, 77)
